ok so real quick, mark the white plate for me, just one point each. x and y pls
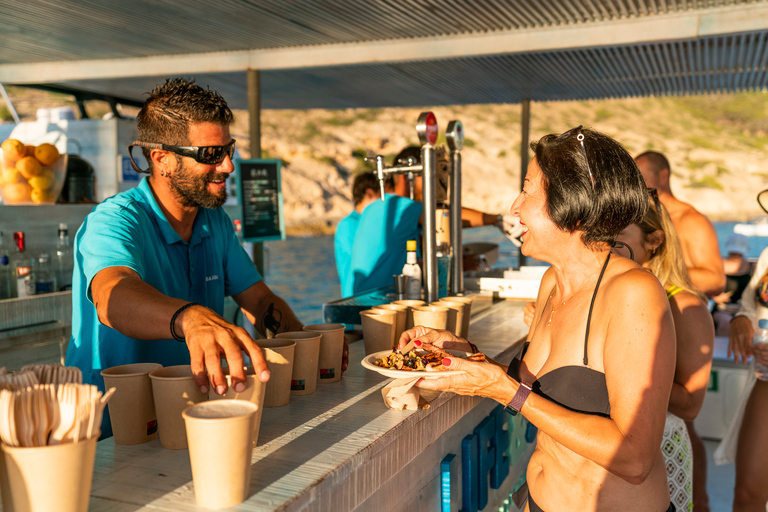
(370, 363)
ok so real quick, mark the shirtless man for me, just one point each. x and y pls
(705, 268)
(697, 235)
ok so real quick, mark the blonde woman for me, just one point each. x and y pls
(655, 247)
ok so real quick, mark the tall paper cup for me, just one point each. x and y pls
(402, 314)
(132, 407)
(331, 351)
(305, 358)
(409, 314)
(46, 478)
(279, 355)
(220, 434)
(379, 327)
(435, 317)
(254, 392)
(467, 301)
(455, 316)
(174, 389)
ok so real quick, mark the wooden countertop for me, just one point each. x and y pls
(326, 451)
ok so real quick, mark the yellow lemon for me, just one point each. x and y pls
(40, 196)
(16, 192)
(13, 150)
(10, 175)
(46, 153)
(29, 167)
(42, 182)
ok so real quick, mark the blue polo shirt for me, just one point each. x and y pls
(379, 250)
(130, 230)
(343, 241)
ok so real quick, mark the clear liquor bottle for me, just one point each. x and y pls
(63, 260)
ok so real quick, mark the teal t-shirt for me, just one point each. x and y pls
(130, 230)
(343, 241)
(379, 250)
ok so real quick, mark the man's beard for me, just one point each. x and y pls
(192, 189)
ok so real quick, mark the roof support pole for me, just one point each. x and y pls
(525, 134)
(254, 128)
(9, 103)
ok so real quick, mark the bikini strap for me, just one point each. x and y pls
(591, 304)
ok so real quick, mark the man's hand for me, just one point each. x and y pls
(208, 337)
(740, 342)
(511, 227)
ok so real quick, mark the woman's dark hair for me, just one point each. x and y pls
(619, 197)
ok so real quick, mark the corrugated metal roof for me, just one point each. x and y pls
(41, 30)
(77, 31)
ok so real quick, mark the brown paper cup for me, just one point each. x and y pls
(467, 301)
(279, 354)
(331, 351)
(402, 314)
(47, 478)
(379, 327)
(254, 392)
(435, 317)
(174, 389)
(220, 434)
(455, 315)
(409, 314)
(305, 358)
(132, 407)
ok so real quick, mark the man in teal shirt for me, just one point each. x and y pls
(153, 264)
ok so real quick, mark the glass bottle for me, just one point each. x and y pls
(5, 271)
(23, 281)
(63, 261)
(45, 282)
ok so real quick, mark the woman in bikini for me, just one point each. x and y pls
(653, 244)
(596, 372)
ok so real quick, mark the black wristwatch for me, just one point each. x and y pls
(514, 405)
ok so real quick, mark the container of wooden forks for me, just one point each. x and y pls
(47, 478)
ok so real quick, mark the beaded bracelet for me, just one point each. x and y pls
(173, 320)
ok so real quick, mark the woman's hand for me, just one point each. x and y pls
(740, 342)
(445, 340)
(529, 311)
(485, 379)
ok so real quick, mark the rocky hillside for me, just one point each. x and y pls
(716, 144)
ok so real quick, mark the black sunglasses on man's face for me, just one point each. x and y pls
(209, 155)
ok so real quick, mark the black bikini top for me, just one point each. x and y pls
(577, 388)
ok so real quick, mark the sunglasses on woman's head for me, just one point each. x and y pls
(580, 138)
(209, 155)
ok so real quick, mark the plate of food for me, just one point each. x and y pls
(409, 365)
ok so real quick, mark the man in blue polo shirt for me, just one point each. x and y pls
(153, 264)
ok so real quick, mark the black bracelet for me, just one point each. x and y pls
(475, 350)
(173, 320)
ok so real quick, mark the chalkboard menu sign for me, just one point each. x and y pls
(261, 199)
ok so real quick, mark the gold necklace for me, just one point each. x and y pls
(552, 312)
(549, 322)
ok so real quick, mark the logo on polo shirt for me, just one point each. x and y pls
(211, 278)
